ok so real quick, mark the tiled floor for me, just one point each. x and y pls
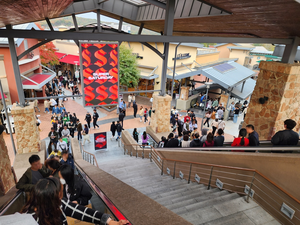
(75, 106)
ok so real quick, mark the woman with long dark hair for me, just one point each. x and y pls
(209, 141)
(53, 165)
(75, 189)
(145, 138)
(48, 207)
(241, 140)
(135, 135)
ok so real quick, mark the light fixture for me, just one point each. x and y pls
(208, 84)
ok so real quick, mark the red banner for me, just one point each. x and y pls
(100, 74)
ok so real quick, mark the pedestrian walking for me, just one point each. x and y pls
(134, 109)
(119, 129)
(121, 117)
(85, 133)
(95, 118)
(113, 128)
(79, 129)
(88, 119)
(141, 113)
(129, 100)
(124, 108)
(145, 115)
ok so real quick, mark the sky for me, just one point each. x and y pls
(92, 15)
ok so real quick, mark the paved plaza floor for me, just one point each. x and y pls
(76, 106)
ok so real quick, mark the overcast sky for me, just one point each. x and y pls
(92, 15)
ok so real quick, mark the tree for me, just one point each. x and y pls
(129, 74)
(47, 54)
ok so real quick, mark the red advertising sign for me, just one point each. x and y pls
(99, 69)
(100, 140)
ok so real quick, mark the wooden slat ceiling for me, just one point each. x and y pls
(22, 11)
(250, 18)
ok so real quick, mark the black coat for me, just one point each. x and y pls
(119, 128)
(285, 137)
(134, 108)
(82, 193)
(196, 143)
(88, 118)
(121, 116)
(172, 143)
(95, 116)
(113, 128)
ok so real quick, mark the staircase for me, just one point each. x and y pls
(191, 201)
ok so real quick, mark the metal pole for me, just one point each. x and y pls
(7, 119)
(175, 60)
(204, 108)
(174, 170)
(14, 59)
(136, 151)
(190, 173)
(247, 199)
(99, 21)
(162, 167)
(168, 31)
(210, 178)
(42, 98)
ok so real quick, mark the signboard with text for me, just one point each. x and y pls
(100, 140)
(99, 64)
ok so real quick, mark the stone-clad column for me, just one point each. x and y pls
(27, 133)
(280, 83)
(184, 93)
(6, 176)
(160, 119)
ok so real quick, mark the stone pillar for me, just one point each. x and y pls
(281, 84)
(160, 119)
(7, 180)
(184, 93)
(224, 100)
(27, 133)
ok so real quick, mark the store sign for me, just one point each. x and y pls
(100, 73)
(100, 140)
(183, 56)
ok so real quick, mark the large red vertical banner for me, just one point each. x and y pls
(99, 69)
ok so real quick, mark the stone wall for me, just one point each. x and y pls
(281, 84)
(6, 176)
(224, 100)
(160, 119)
(27, 133)
(184, 93)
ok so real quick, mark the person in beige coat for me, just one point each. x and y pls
(141, 113)
(47, 106)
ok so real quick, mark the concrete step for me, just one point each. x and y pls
(154, 183)
(204, 197)
(211, 202)
(172, 199)
(167, 191)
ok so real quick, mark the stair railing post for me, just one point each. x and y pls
(151, 155)
(136, 151)
(162, 167)
(248, 195)
(143, 156)
(174, 170)
(211, 171)
(190, 173)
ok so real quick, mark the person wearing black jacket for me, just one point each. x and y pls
(119, 129)
(75, 189)
(252, 135)
(196, 141)
(135, 107)
(287, 136)
(95, 118)
(172, 142)
(88, 119)
(121, 117)
(113, 128)
(179, 127)
(53, 135)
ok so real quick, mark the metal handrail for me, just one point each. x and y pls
(10, 202)
(226, 148)
(227, 167)
(90, 156)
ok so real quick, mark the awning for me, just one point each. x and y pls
(1, 96)
(71, 59)
(182, 73)
(228, 74)
(37, 81)
(149, 77)
(147, 72)
(60, 55)
(247, 90)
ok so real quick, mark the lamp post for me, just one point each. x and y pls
(207, 84)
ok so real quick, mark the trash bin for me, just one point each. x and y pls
(226, 115)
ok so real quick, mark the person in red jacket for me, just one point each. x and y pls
(209, 141)
(241, 140)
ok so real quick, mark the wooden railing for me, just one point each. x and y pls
(248, 182)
